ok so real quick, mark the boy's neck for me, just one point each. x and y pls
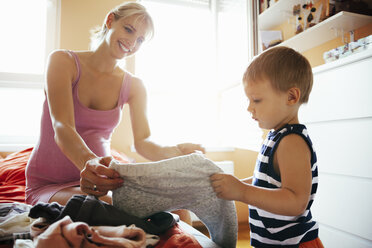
(292, 119)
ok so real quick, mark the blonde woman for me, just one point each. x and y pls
(85, 94)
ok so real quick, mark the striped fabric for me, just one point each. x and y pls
(272, 230)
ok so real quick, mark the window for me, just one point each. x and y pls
(192, 69)
(25, 45)
(29, 31)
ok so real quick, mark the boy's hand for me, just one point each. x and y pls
(227, 186)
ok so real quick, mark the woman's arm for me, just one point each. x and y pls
(61, 71)
(141, 130)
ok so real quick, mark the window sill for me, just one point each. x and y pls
(207, 149)
(14, 147)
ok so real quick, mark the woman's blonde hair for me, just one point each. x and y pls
(124, 10)
(284, 68)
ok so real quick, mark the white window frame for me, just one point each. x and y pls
(32, 81)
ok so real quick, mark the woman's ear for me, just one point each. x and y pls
(109, 20)
(294, 95)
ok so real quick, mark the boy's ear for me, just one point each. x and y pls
(294, 95)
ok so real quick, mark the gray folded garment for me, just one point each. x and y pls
(177, 183)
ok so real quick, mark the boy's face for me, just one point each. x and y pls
(268, 106)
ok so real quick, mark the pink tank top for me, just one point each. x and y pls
(47, 164)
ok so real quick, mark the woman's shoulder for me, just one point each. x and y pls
(62, 62)
(61, 56)
(60, 53)
(134, 80)
(137, 87)
(68, 54)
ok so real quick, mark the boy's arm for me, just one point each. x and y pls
(247, 180)
(293, 159)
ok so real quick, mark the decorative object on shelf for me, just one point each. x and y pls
(297, 14)
(310, 17)
(348, 49)
(309, 12)
(265, 4)
(344, 50)
(307, 15)
(323, 10)
(270, 3)
(270, 38)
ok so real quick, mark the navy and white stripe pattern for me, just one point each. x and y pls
(272, 230)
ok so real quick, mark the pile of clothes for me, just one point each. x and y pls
(84, 221)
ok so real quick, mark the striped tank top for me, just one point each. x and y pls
(273, 230)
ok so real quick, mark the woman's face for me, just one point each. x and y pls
(126, 35)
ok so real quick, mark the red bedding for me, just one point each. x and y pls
(12, 189)
(12, 176)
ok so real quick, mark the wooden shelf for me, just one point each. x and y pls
(331, 28)
(327, 30)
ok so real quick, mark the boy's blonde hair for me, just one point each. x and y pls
(124, 10)
(284, 68)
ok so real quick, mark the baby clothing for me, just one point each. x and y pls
(273, 230)
(177, 183)
(48, 169)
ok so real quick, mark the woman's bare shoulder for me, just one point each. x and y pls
(64, 54)
(137, 83)
(61, 63)
(61, 56)
(137, 88)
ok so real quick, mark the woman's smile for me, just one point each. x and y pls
(123, 47)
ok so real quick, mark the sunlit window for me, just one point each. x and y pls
(29, 33)
(176, 68)
(232, 42)
(237, 128)
(20, 114)
(198, 54)
(23, 28)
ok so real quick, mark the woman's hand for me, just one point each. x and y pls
(187, 148)
(96, 179)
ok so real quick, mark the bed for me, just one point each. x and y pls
(12, 189)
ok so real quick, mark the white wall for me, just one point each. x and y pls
(339, 119)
